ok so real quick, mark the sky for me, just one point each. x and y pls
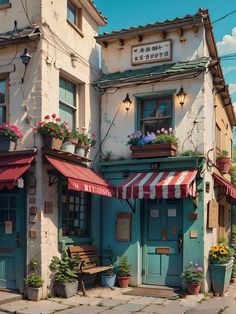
(126, 13)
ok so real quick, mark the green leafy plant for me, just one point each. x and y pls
(123, 268)
(64, 268)
(193, 273)
(223, 154)
(52, 126)
(233, 174)
(109, 255)
(234, 270)
(220, 253)
(166, 136)
(34, 280)
(191, 153)
(233, 233)
(84, 137)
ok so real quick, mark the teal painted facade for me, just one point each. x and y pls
(136, 249)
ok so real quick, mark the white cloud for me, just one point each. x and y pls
(232, 88)
(228, 43)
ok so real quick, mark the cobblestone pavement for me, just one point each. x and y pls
(101, 300)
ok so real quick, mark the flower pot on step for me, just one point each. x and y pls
(193, 288)
(220, 276)
(34, 294)
(67, 289)
(124, 281)
(68, 147)
(108, 281)
(6, 144)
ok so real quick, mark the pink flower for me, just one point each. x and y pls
(66, 123)
(162, 130)
(69, 131)
(166, 132)
(35, 130)
(54, 115)
(47, 117)
(41, 123)
(58, 119)
(158, 132)
(94, 135)
(62, 131)
(84, 128)
(170, 129)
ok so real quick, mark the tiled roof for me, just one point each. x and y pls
(176, 22)
(98, 11)
(180, 67)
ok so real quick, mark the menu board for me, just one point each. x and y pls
(123, 226)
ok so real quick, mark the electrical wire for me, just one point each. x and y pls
(223, 17)
(25, 10)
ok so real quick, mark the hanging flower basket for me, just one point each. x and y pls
(9, 134)
(153, 150)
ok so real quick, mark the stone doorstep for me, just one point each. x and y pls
(7, 297)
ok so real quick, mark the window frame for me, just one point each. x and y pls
(5, 5)
(6, 105)
(78, 24)
(139, 98)
(66, 104)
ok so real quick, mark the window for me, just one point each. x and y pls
(74, 15)
(67, 102)
(156, 113)
(75, 213)
(3, 100)
(4, 2)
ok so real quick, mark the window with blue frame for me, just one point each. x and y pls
(75, 213)
(155, 113)
(67, 102)
(74, 14)
(3, 100)
(4, 2)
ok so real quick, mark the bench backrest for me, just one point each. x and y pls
(87, 253)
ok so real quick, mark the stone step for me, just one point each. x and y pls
(7, 296)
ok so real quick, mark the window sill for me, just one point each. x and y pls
(5, 6)
(76, 28)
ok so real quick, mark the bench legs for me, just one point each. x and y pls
(83, 287)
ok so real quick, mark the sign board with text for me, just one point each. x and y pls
(151, 52)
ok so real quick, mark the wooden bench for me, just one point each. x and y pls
(90, 262)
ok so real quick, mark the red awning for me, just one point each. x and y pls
(165, 184)
(226, 188)
(82, 178)
(12, 168)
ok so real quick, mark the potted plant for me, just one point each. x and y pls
(221, 265)
(85, 141)
(123, 272)
(109, 277)
(53, 131)
(70, 142)
(65, 274)
(34, 282)
(193, 277)
(9, 134)
(233, 234)
(163, 143)
(223, 161)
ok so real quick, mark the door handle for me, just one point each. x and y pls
(18, 239)
(180, 243)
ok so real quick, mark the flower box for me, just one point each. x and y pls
(153, 150)
(6, 144)
(220, 276)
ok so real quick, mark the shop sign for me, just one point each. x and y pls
(151, 52)
(123, 226)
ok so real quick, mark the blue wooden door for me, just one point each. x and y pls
(11, 226)
(162, 243)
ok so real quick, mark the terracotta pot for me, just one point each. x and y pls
(193, 288)
(153, 150)
(223, 165)
(124, 281)
(49, 141)
(56, 143)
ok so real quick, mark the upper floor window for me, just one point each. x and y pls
(74, 14)
(3, 100)
(156, 113)
(67, 102)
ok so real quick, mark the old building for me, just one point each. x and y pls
(173, 206)
(48, 60)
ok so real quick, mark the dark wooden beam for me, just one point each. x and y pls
(180, 32)
(121, 42)
(162, 34)
(104, 44)
(140, 38)
(195, 29)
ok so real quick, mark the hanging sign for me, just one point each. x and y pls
(151, 52)
(123, 226)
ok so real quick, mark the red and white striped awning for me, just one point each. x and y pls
(164, 184)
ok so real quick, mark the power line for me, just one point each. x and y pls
(223, 17)
(25, 10)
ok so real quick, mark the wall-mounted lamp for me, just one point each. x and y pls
(181, 96)
(25, 58)
(127, 102)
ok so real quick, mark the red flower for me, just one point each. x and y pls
(58, 119)
(52, 128)
(47, 117)
(61, 131)
(54, 115)
(84, 128)
(94, 135)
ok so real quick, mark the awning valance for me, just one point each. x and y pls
(12, 168)
(81, 178)
(226, 188)
(163, 184)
